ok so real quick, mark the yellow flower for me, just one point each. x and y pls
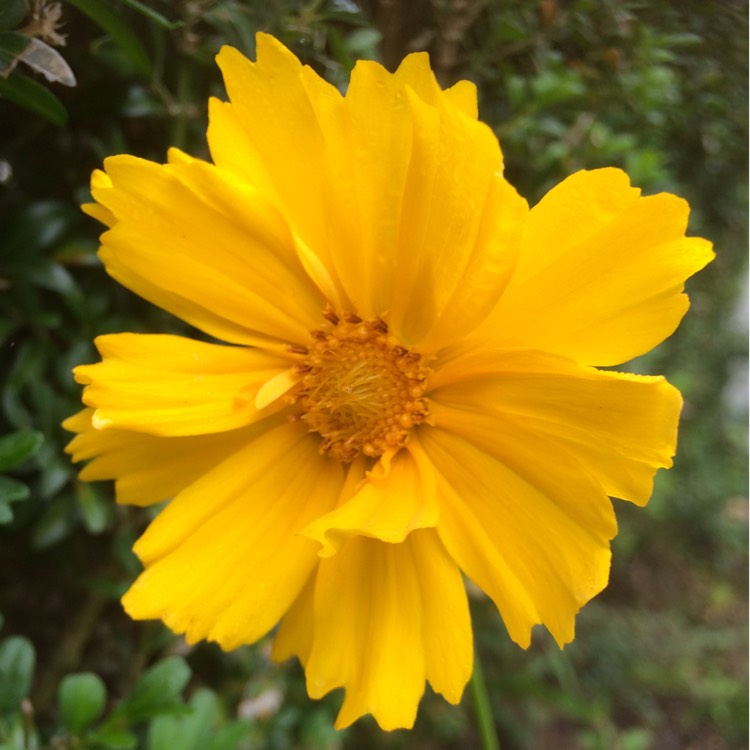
(407, 390)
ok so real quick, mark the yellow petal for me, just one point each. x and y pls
(368, 149)
(601, 273)
(99, 181)
(464, 96)
(621, 427)
(460, 232)
(224, 560)
(515, 541)
(367, 158)
(415, 73)
(169, 385)
(426, 229)
(446, 623)
(386, 617)
(233, 151)
(280, 133)
(148, 469)
(104, 215)
(397, 497)
(207, 248)
(276, 387)
(295, 634)
(358, 197)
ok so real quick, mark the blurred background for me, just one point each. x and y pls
(656, 87)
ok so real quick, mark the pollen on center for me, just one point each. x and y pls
(361, 390)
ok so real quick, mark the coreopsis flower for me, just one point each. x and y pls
(400, 386)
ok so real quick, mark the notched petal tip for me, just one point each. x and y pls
(601, 271)
(463, 95)
(100, 179)
(416, 628)
(81, 374)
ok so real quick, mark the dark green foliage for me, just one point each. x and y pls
(15, 450)
(658, 88)
(16, 670)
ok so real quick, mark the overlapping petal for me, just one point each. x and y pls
(538, 443)
(170, 385)
(461, 229)
(621, 427)
(376, 186)
(383, 618)
(273, 123)
(397, 497)
(224, 560)
(146, 468)
(601, 272)
(208, 248)
(516, 539)
(426, 227)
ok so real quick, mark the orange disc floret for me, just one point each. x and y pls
(361, 390)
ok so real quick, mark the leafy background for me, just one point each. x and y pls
(658, 87)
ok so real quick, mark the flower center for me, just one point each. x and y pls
(361, 390)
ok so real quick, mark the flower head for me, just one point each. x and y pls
(404, 387)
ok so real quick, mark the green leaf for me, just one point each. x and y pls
(18, 447)
(12, 13)
(11, 490)
(82, 698)
(38, 225)
(112, 739)
(158, 18)
(191, 732)
(95, 510)
(231, 736)
(50, 275)
(56, 522)
(168, 732)
(102, 15)
(363, 42)
(11, 46)
(29, 94)
(56, 473)
(16, 671)
(158, 691)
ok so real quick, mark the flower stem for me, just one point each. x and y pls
(482, 707)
